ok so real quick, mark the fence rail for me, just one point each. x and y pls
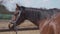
(6, 29)
(18, 29)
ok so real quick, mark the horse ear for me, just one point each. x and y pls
(17, 5)
(20, 7)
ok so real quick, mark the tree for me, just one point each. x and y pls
(3, 10)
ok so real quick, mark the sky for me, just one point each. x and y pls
(11, 4)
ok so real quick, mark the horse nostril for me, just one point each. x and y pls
(10, 26)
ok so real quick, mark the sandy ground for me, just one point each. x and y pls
(25, 24)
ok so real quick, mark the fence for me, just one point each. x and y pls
(5, 16)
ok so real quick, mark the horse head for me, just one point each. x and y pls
(17, 14)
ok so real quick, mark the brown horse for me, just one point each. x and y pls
(32, 14)
(50, 26)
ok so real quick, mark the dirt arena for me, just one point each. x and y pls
(25, 24)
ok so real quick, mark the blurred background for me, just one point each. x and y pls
(7, 7)
(4, 13)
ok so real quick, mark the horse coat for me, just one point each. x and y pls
(35, 15)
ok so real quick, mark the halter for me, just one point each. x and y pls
(14, 22)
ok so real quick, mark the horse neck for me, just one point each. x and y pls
(50, 24)
(47, 21)
(56, 24)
